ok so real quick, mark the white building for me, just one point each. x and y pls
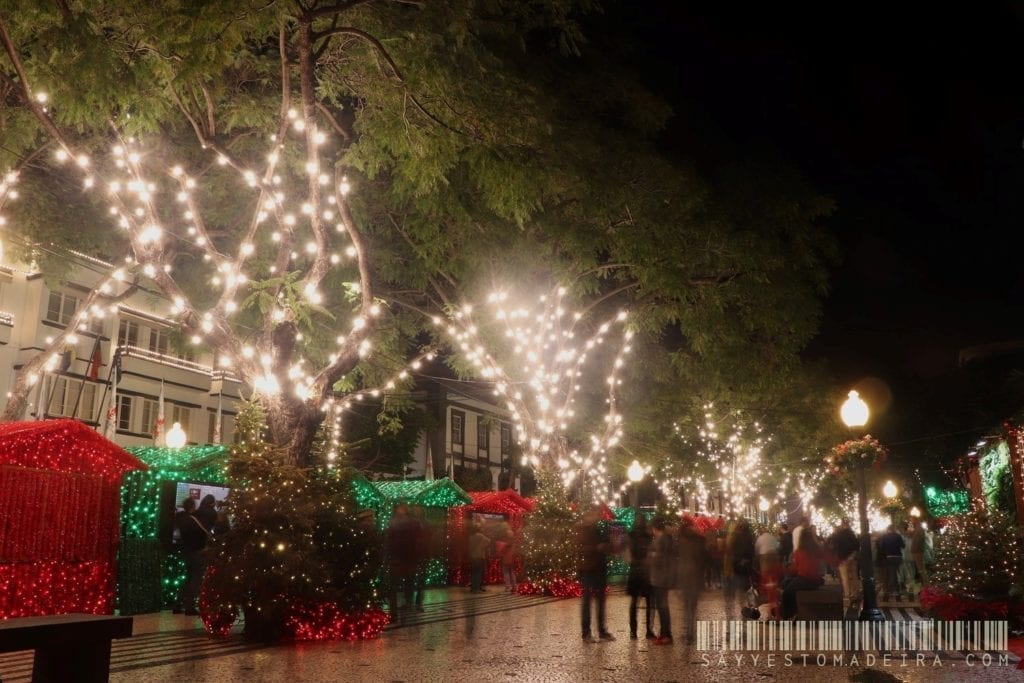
(474, 432)
(31, 312)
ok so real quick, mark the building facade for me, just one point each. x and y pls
(136, 331)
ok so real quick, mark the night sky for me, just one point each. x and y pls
(912, 120)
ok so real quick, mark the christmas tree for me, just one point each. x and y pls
(978, 568)
(295, 561)
(550, 557)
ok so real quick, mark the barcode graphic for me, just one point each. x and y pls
(836, 636)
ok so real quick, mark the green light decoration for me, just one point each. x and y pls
(366, 494)
(996, 477)
(627, 516)
(438, 493)
(943, 503)
(149, 575)
(436, 572)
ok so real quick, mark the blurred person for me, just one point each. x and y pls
(638, 583)
(907, 570)
(766, 547)
(593, 548)
(479, 552)
(918, 545)
(193, 540)
(890, 554)
(738, 565)
(804, 573)
(785, 544)
(661, 560)
(402, 558)
(692, 561)
(844, 546)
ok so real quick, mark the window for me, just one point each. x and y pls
(61, 308)
(124, 413)
(159, 341)
(128, 333)
(483, 434)
(179, 414)
(57, 390)
(150, 412)
(458, 421)
(506, 439)
(73, 398)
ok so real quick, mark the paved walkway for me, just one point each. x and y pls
(490, 637)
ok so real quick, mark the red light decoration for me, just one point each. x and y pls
(59, 497)
(558, 587)
(506, 502)
(325, 621)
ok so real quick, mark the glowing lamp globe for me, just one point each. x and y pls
(889, 489)
(763, 505)
(635, 472)
(176, 437)
(914, 512)
(854, 411)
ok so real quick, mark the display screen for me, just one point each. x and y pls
(175, 492)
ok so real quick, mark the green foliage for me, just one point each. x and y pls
(474, 478)
(384, 437)
(997, 478)
(294, 539)
(979, 556)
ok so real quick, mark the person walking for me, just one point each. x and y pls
(479, 551)
(593, 549)
(843, 544)
(767, 549)
(890, 551)
(638, 583)
(785, 544)
(194, 534)
(508, 553)
(692, 561)
(918, 544)
(738, 565)
(662, 562)
(400, 548)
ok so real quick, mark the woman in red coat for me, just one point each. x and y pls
(803, 573)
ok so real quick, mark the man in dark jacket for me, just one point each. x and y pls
(843, 545)
(890, 547)
(193, 541)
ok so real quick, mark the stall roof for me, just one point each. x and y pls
(506, 502)
(64, 446)
(186, 458)
(367, 495)
(437, 493)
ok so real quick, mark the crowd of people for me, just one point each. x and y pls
(759, 570)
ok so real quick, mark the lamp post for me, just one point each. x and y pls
(854, 413)
(763, 506)
(890, 491)
(635, 474)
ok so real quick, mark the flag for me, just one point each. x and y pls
(216, 420)
(159, 435)
(428, 474)
(65, 360)
(41, 398)
(110, 426)
(96, 362)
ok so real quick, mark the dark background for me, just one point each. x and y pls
(911, 117)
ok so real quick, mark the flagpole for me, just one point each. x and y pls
(159, 433)
(218, 418)
(88, 367)
(40, 397)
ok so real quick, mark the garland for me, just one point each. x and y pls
(845, 458)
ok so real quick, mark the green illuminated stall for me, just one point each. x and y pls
(150, 571)
(431, 499)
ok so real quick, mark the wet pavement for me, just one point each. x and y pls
(497, 637)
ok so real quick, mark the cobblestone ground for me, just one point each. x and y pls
(493, 637)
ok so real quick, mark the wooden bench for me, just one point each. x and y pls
(68, 647)
(824, 604)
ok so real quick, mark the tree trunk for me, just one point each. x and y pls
(293, 426)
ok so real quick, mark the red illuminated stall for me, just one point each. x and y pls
(60, 487)
(487, 508)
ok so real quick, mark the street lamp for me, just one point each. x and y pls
(914, 512)
(854, 413)
(763, 506)
(889, 489)
(176, 436)
(635, 474)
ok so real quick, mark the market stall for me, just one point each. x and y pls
(59, 499)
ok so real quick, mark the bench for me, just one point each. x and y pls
(824, 604)
(68, 647)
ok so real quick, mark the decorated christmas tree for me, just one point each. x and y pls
(978, 568)
(549, 544)
(295, 562)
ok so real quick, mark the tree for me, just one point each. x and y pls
(187, 96)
